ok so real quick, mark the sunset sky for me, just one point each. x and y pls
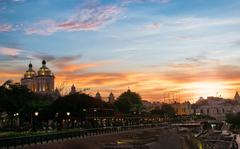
(158, 48)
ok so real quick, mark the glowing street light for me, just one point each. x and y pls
(15, 114)
(36, 113)
(68, 113)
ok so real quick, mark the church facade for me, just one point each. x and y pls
(40, 82)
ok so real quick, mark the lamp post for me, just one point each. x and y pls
(36, 114)
(68, 116)
(35, 120)
(95, 117)
(16, 118)
(68, 113)
(85, 117)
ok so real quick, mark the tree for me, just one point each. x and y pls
(168, 110)
(233, 119)
(15, 98)
(78, 105)
(157, 111)
(128, 101)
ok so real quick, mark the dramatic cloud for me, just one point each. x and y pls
(85, 19)
(5, 27)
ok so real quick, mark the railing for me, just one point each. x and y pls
(50, 137)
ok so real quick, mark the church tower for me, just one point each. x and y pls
(237, 97)
(98, 96)
(44, 80)
(27, 79)
(73, 90)
(111, 98)
(40, 82)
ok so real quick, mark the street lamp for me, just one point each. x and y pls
(35, 120)
(68, 113)
(15, 114)
(36, 113)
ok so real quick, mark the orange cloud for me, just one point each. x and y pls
(184, 84)
(15, 76)
(78, 67)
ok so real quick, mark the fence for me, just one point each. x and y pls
(57, 136)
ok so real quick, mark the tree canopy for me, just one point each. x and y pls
(233, 119)
(75, 103)
(18, 98)
(166, 110)
(128, 101)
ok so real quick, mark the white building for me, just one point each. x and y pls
(40, 82)
(215, 107)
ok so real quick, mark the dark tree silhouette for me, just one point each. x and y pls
(168, 110)
(128, 101)
(15, 98)
(78, 105)
(233, 119)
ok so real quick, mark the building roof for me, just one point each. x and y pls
(30, 73)
(44, 70)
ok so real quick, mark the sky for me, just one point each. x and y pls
(161, 49)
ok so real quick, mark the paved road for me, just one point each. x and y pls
(163, 139)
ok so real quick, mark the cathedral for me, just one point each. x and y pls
(40, 82)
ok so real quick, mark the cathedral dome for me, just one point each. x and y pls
(44, 70)
(44, 62)
(30, 73)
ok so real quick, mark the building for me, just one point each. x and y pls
(73, 90)
(216, 107)
(111, 98)
(237, 97)
(98, 96)
(151, 105)
(40, 82)
(182, 108)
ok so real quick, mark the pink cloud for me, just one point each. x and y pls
(84, 20)
(142, 1)
(5, 27)
(9, 51)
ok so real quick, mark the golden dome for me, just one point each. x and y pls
(30, 73)
(44, 70)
